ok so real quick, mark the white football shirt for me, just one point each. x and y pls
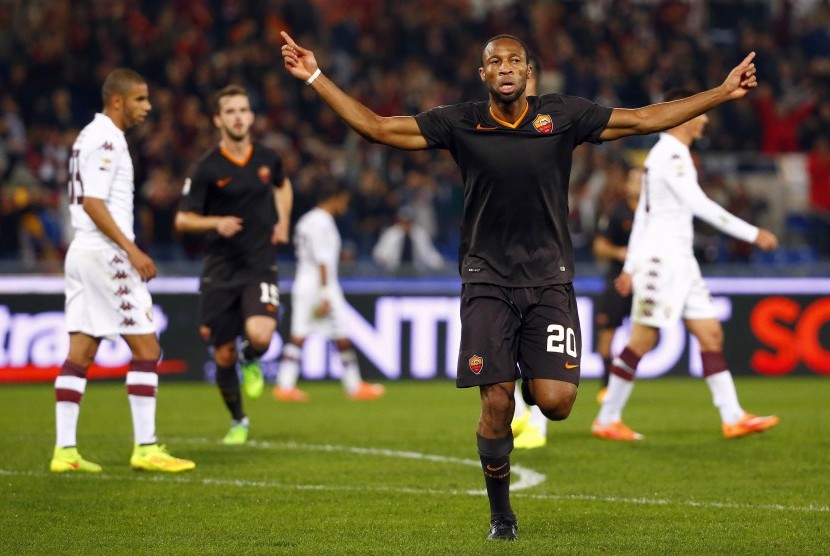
(100, 167)
(317, 242)
(670, 199)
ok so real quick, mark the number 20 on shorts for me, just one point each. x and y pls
(561, 339)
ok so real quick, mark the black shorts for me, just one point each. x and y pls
(225, 310)
(511, 332)
(611, 308)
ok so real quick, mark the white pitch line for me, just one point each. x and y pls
(684, 503)
(527, 478)
(241, 483)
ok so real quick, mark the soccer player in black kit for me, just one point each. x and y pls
(611, 244)
(516, 261)
(238, 196)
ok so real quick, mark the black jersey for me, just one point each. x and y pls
(615, 225)
(514, 229)
(221, 185)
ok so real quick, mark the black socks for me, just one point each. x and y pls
(495, 462)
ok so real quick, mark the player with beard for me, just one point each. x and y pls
(237, 195)
(518, 308)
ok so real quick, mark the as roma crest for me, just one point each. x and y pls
(476, 363)
(543, 124)
(264, 173)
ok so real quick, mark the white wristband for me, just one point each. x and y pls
(314, 76)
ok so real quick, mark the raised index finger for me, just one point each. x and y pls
(288, 40)
(748, 59)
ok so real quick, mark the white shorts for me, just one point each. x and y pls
(304, 321)
(105, 296)
(668, 289)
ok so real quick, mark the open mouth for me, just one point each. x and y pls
(507, 87)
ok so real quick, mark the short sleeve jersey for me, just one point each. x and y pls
(317, 242)
(615, 225)
(221, 185)
(100, 167)
(514, 229)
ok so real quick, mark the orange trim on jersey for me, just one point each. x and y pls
(518, 121)
(238, 161)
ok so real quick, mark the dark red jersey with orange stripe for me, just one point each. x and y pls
(514, 230)
(221, 185)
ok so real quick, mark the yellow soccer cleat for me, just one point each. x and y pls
(615, 431)
(518, 424)
(253, 383)
(156, 458)
(750, 424)
(68, 460)
(601, 394)
(238, 434)
(530, 438)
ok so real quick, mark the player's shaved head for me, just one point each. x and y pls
(505, 36)
(229, 91)
(120, 82)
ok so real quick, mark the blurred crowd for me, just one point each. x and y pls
(398, 58)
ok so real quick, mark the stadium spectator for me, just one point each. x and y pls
(406, 246)
(818, 171)
(780, 120)
(51, 55)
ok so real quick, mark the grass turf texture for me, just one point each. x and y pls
(339, 477)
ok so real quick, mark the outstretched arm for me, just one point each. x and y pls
(657, 117)
(401, 132)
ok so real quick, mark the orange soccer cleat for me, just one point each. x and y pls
(290, 395)
(615, 431)
(749, 424)
(367, 392)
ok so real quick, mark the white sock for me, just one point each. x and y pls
(615, 400)
(521, 406)
(141, 389)
(289, 366)
(351, 378)
(538, 420)
(724, 397)
(69, 390)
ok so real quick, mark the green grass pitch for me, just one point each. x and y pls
(401, 476)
